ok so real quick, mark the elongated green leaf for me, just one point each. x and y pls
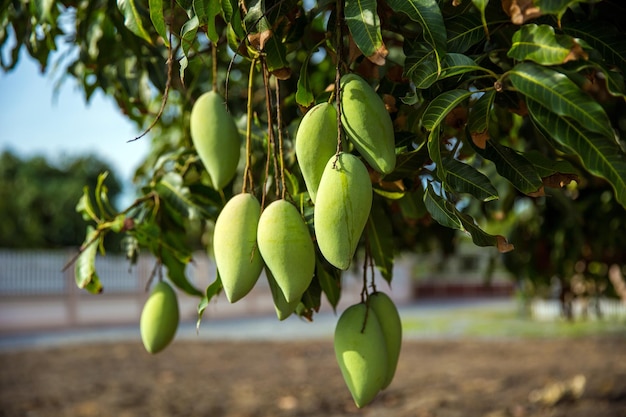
(420, 58)
(176, 272)
(452, 65)
(540, 44)
(276, 58)
(304, 95)
(330, 283)
(441, 210)
(156, 15)
(600, 155)
(85, 206)
(555, 91)
(443, 104)
(482, 238)
(481, 5)
(170, 188)
(379, 233)
(207, 10)
(132, 18)
(364, 24)
(558, 7)
(479, 117)
(85, 266)
(604, 38)
(409, 163)
(546, 166)
(512, 166)
(464, 31)
(434, 150)
(188, 34)
(412, 205)
(428, 14)
(464, 178)
(211, 291)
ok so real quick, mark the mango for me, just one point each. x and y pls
(344, 201)
(316, 141)
(283, 308)
(391, 326)
(237, 257)
(215, 137)
(287, 248)
(367, 123)
(159, 318)
(361, 353)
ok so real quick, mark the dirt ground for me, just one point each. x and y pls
(516, 378)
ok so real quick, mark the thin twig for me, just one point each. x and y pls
(339, 47)
(281, 160)
(247, 174)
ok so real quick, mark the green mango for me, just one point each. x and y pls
(344, 201)
(283, 308)
(237, 257)
(316, 141)
(367, 123)
(159, 318)
(215, 137)
(287, 248)
(361, 353)
(391, 325)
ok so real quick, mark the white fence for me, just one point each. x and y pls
(603, 308)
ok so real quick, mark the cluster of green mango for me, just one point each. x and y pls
(368, 338)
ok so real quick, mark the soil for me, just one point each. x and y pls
(443, 378)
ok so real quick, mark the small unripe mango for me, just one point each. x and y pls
(234, 246)
(159, 318)
(361, 353)
(287, 248)
(367, 123)
(344, 201)
(391, 326)
(216, 138)
(316, 141)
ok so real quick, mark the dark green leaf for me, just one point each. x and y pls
(330, 283)
(604, 37)
(211, 291)
(304, 95)
(464, 31)
(132, 18)
(464, 178)
(176, 272)
(482, 238)
(540, 44)
(480, 114)
(171, 189)
(85, 267)
(362, 20)
(546, 166)
(380, 237)
(452, 65)
(428, 14)
(156, 15)
(481, 5)
(412, 205)
(600, 155)
(276, 58)
(555, 91)
(558, 7)
(441, 210)
(512, 166)
(443, 104)
(434, 150)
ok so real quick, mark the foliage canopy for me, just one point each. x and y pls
(497, 106)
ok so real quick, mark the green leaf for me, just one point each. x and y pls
(362, 20)
(276, 58)
(176, 272)
(156, 15)
(85, 267)
(379, 233)
(443, 104)
(562, 96)
(304, 95)
(558, 7)
(188, 34)
(330, 283)
(546, 166)
(540, 44)
(171, 189)
(482, 238)
(441, 210)
(428, 14)
(420, 58)
(481, 5)
(211, 291)
(132, 19)
(452, 65)
(600, 155)
(512, 166)
(479, 118)
(412, 205)
(464, 31)
(85, 207)
(434, 150)
(464, 178)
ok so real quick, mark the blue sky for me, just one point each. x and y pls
(33, 121)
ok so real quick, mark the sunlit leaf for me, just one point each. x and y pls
(176, 272)
(362, 20)
(540, 44)
(133, 19)
(212, 290)
(452, 65)
(156, 15)
(171, 189)
(85, 267)
(479, 118)
(555, 91)
(188, 34)
(441, 210)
